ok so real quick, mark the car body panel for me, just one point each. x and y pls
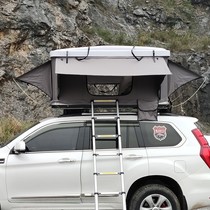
(135, 164)
(46, 176)
(64, 179)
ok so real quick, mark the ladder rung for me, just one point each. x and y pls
(109, 194)
(105, 117)
(108, 154)
(107, 136)
(109, 173)
(104, 101)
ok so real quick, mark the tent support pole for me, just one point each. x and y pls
(54, 82)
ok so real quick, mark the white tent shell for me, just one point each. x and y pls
(111, 61)
(110, 51)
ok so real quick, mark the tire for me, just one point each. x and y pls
(154, 197)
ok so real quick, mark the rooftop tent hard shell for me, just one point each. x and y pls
(136, 71)
(111, 61)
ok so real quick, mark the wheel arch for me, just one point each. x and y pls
(163, 180)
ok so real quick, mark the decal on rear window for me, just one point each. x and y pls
(159, 132)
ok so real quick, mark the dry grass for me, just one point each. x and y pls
(9, 127)
(174, 41)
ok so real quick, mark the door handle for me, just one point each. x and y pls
(133, 156)
(66, 160)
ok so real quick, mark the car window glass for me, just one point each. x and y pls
(159, 134)
(60, 137)
(129, 135)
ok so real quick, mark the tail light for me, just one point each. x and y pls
(205, 149)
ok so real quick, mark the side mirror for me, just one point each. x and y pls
(20, 147)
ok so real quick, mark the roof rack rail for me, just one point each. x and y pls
(163, 107)
(74, 112)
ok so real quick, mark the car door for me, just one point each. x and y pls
(162, 141)
(49, 170)
(134, 161)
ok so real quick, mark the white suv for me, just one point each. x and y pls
(50, 166)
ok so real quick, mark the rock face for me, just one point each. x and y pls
(30, 29)
(204, 2)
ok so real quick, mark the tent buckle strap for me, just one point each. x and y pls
(138, 59)
(80, 59)
(153, 55)
(67, 56)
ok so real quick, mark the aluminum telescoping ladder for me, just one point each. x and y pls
(116, 136)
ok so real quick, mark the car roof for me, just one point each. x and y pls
(80, 118)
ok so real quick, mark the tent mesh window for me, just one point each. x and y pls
(103, 89)
(116, 86)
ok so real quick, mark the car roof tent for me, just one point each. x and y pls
(111, 61)
(132, 75)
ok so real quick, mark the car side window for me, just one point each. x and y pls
(130, 134)
(157, 134)
(55, 138)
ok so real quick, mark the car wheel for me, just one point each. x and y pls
(154, 197)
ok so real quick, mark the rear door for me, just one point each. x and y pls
(134, 160)
(49, 171)
(163, 142)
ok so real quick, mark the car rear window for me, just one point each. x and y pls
(157, 134)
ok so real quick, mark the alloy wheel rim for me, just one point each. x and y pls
(155, 202)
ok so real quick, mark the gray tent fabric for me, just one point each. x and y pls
(143, 89)
(40, 77)
(147, 110)
(179, 77)
(125, 85)
(73, 91)
(144, 94)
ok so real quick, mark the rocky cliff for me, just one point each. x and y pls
(30, 29)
